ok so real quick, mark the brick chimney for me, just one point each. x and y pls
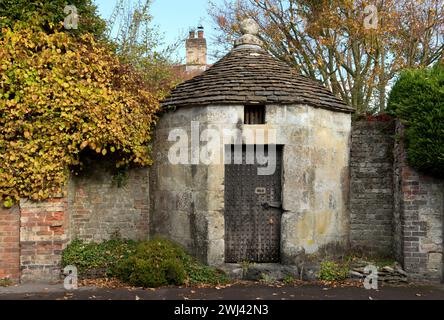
(196, 50)
(200, 32)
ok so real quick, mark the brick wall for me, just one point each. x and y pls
(371, 186)
(34, 234)
(43, 235)
(98, 208)
(419, 218)
(393, 209)
(9, 243)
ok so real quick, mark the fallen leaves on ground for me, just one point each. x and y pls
(108, 283)
(338, 284)
(111, 283)
(66, 296)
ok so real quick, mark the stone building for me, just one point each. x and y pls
(250, 106)
(252, 162)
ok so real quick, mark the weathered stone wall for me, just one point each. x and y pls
(188, 200)
(10, 243)
(392, 208)
(419, 217)
(179, 192)
(395, 208)
(371, 186)
(315, 178)
(99, 208)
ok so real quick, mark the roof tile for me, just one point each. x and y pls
(251, 75)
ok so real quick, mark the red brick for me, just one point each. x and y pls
(42, 225)
(9, 243)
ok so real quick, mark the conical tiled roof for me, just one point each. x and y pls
(250, 75)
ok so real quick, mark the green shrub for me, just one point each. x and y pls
(155, 263)
(161, 262)
(418, 100)
(332, 271)
(201, 274)
(288, 279)
(5, 282)
(93, 256)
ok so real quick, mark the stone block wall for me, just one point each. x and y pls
(10, 243)
(371, 186)
(419, 218)
(179, 200)
(99, 208)
(394, 208)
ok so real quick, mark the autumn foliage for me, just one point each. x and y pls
(331, 40)
(60, 96)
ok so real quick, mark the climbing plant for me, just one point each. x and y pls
(60, 96)
(49, 15)
(418, 100)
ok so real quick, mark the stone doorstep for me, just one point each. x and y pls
(260, 271)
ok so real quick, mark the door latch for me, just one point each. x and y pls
(276, 205)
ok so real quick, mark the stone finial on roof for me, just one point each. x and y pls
(250, 30)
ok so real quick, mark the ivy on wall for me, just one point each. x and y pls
(49, 15)
(60, 95)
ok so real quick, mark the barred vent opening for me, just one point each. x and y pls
(254, 115)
